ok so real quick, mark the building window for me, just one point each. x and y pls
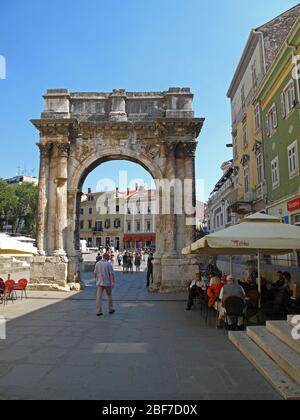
(260, 168)
(82, 212)
(228, 215)
(90, 210)
(275, 172)
(288, 99)
(222, 219)
(117, 223)
(138, 226)
(148, 226)
(90, 224)
(246, 179)
(107, 224)
(90, 242)
(217, 217)
(117, 209)
(245, 134)
(296, 220)
(235, 148)
(81, 224)
(243, 98)
(257, 120)
(272, 121)
(99, 226)
(90, 198)
(254, 75)
(128, 227)
(293, 159)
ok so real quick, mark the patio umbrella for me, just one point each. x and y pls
(12, 246)
(255, 235)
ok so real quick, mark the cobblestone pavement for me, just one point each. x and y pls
(151, 348)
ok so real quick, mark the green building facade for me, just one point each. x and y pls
(279, 97)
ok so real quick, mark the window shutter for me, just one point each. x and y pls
(283, 110)
(268, 125)
(275, 117)
(294, 92)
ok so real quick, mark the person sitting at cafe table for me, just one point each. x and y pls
(214, 290)
(213, 279)
(273, 288)
(281, 292)
(196, 288)
(231, 289)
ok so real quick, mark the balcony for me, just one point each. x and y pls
(97, 229)
(240, 206)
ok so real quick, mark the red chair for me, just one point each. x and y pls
(21, 287)
(12, 285)
(9, 291)
(2, 288)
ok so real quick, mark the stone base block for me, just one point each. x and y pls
(173, 275)
(49, 272)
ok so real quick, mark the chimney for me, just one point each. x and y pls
(136, 187)
(117, 192)
(128, 191)
(89, 191)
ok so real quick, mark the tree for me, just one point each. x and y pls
(8, 201)
(23, 213)
(18, 206)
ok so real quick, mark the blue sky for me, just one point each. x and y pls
(99, 45)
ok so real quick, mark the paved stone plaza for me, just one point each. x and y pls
(151, 348)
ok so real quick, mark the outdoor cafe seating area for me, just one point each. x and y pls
(274, 303)
(11, 290)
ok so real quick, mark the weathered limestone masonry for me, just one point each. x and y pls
(79, 131)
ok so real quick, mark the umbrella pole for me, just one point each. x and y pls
(259, 284)
(259, 272)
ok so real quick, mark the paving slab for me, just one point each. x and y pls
(151, 348)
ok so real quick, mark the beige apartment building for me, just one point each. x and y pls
(102, 219)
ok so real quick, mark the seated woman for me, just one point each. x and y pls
(214, 290)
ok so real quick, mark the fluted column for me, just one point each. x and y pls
(61, 224)
(180, 216)
(170, 219)
(190, 193)
(45, 150)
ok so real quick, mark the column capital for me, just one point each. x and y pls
(63, 149)
(45, 149)
(190, 149)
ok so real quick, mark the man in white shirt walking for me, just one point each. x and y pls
(105, 280)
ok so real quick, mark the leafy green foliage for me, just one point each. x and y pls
(18, 206)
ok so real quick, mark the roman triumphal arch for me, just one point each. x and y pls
(79, 131)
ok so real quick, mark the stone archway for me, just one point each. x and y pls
(79, 131)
